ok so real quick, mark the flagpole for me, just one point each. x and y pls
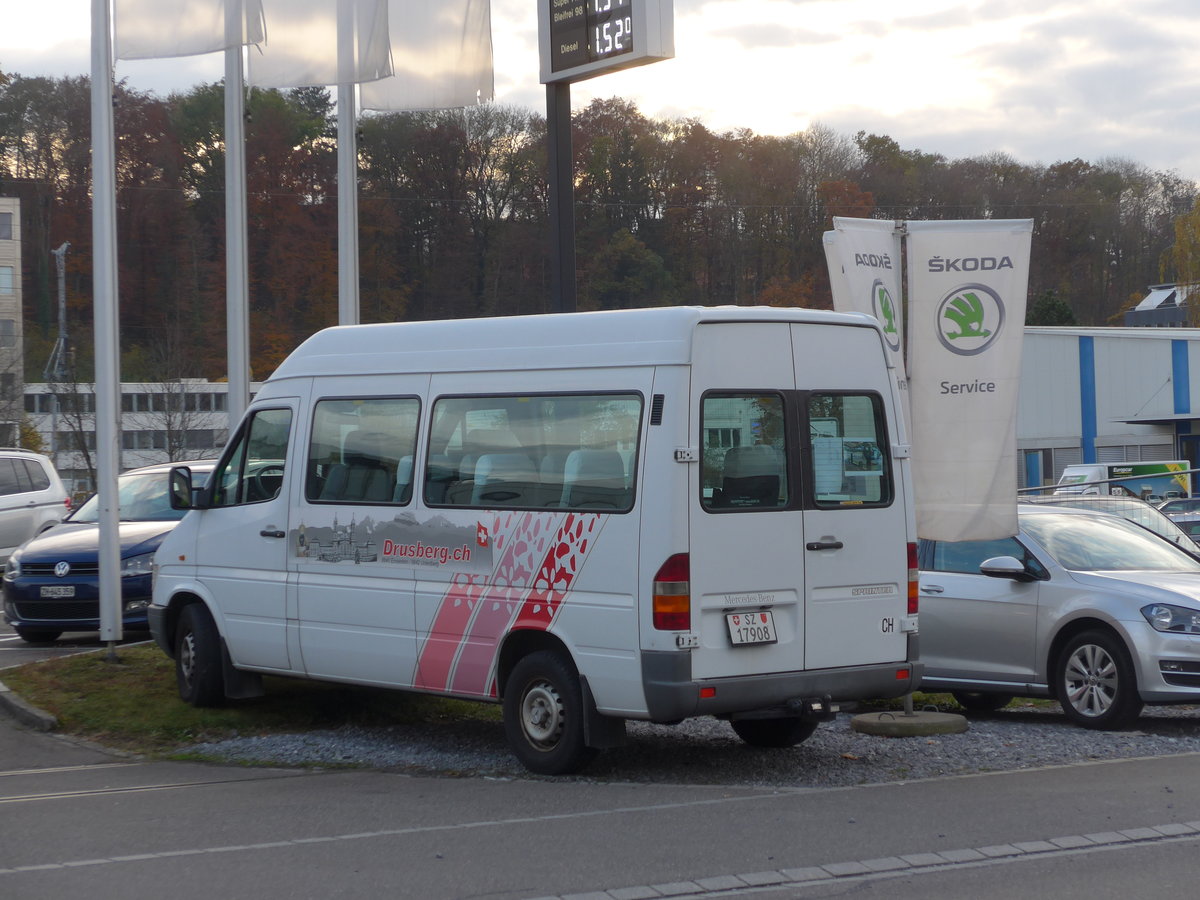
(237, 288)
(347, 175)
(106, 326)
(347, 141)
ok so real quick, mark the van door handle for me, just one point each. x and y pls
(824, 545)
(932, 589)
(273, 532)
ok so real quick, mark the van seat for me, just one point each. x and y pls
(402, 492)
(361, 475)
(594, 479)
(550, 474)
(752, 476)
(504, 479)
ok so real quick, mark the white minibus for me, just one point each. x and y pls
(588, 518)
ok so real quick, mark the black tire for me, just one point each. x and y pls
(543, 715)
(782, 732)
(198, 672)
(1095, 683)
(981, 701)
(37, 635)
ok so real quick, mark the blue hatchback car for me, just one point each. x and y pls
(52, 582)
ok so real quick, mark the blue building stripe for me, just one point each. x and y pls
(1087, 397)
(1181, 384)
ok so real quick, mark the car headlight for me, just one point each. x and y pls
(137, 565)
(12, 568)
(1175, 619)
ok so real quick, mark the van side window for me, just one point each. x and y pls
(744, 452)
(361, 451)
(253, 469)
(572, 451)
(851, 465)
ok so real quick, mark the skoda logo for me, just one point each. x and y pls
(969, 319)
(884, 309)
(62, 569)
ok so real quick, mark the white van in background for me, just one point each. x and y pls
(647, 514)
(1149, 480)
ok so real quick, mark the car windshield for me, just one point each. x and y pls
(1131, 508)
(142, 497)
(1104, 543)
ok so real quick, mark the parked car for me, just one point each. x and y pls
(32, 497)
(52, 582)
(1086, 608)
(1132, 508)
(1189, 524)
(1180, 506)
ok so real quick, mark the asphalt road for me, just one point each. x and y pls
(78, 821)
(15, 652)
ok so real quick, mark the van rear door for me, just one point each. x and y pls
(745, 519)
(856, 535)
(798, 531)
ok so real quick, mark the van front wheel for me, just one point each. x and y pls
(198, 658)
(787, 731)
(543, 715)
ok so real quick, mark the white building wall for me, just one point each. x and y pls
(1048, 404)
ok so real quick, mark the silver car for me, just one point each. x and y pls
(1086, 608)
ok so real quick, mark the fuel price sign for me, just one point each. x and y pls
(584, 38)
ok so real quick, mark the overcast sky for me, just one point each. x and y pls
(1043, 80)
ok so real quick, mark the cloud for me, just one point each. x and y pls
(765, 35)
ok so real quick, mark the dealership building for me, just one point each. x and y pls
(1107, 395)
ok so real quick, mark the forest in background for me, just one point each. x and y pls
(454, 221)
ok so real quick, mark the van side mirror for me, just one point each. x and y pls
(180, 490)
(1006, 567)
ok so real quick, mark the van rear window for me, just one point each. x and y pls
(571, 451)
(850, 460)
(744, 452)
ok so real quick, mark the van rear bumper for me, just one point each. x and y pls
(672, 694)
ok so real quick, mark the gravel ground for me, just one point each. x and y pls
(706, 751)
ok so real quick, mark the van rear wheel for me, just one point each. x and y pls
(543, 715)
(198, 672)
(787, 731)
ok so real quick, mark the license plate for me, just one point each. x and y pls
(751, 627)
(58, 590)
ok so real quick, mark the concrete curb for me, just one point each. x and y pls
(25, 713)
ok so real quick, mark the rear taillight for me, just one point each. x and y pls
(673, 595)
(913, 577)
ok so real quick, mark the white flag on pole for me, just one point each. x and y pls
(153, 29)
(968, 282)
(442, 52)
(863, 256)
(313, 43)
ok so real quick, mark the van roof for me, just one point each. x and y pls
(572, 340)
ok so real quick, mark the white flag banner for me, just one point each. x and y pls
(154, 29)
(864, 272)
(442, 52)
(968, 282)
(837, 275)
(320, 42)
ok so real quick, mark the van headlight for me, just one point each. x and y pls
(137, 565)
(12, 568)
(1174, 619)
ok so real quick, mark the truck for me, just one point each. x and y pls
(1149, 479)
